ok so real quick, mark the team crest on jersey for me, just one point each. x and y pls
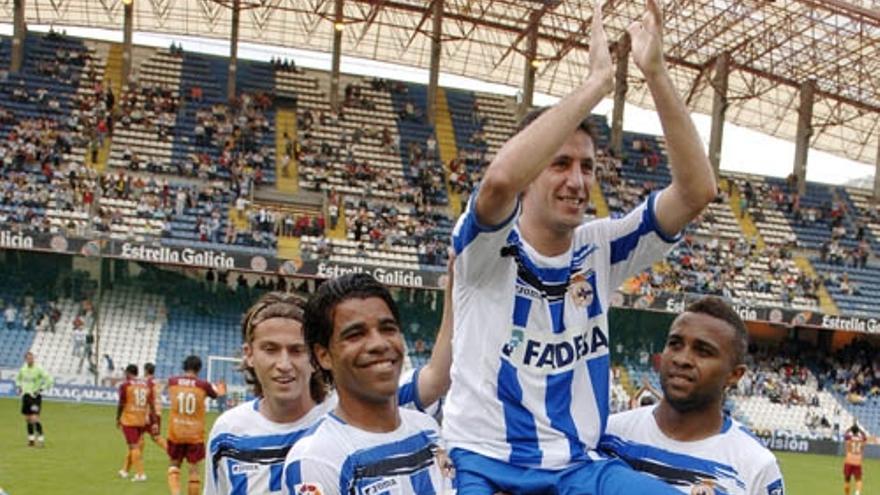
(516, 338)
(308, 489)
(776, 488)
(704, 488)
(580, 289)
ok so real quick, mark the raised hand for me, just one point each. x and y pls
(647, 40)
(600, 58)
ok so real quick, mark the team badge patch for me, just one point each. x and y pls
(580, 289)
(308, 489)
(776, 488)
(702, 489)
(516, 338)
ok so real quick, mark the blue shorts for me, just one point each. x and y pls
(479, 475)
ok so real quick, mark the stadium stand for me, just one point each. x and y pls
(853, 375)
(182, 160)
(778, 397)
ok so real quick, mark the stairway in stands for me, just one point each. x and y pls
(445, 134)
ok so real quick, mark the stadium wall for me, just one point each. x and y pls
(807, 446)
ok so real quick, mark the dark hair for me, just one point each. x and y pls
(717, 308)
(855, 429)
(192, 363)
(131, 369)
(585, 126)
(319, 310)
(149, 368)
(275, 305)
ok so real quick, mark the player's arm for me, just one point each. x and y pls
(693, 182)
(526, 154)
(209, 389)
(434, 379)
(211, 482)
(120, 405)
(19, 378)
(768, 481)
(151, 403)
(46, 380)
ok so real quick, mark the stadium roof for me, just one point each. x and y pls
(775, 46)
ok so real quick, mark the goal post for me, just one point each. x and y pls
(227, 370)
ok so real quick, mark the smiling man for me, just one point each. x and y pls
(367, 443)
(248, 443)
(687, 440)
(530, 376)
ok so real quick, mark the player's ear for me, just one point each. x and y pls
(735, 374)
(247, 353)
(322, 355)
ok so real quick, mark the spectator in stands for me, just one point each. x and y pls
(703, 357)
(10, 315)
(79, 337)
(241, 283)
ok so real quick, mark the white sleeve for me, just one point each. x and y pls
(768, 481)
(408, 390)
(635, 241)
(216, 481)
(210, 482)
(309, 475)
(477, 246)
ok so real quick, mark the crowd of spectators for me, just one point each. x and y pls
(713, 267)
(621, 195)
(781, 375)
(33, 316)
(149, 107)
(280, 223)
(832, 252)
(36, 176)
(833, 213)
(383, 225)
(466, 170)
(853, 371)
(284, 64)
(230, 142)
(92, 114)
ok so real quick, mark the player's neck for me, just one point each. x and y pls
(282, 411)
(543, 237)
(690, 426)
(368, 416)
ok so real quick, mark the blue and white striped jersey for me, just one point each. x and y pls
(530, 371)
(246, 451)
(732, 462)
(335, 458)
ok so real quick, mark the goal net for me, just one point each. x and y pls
(225, 371)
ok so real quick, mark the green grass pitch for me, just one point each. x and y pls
(83, 453)
(84, 450)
